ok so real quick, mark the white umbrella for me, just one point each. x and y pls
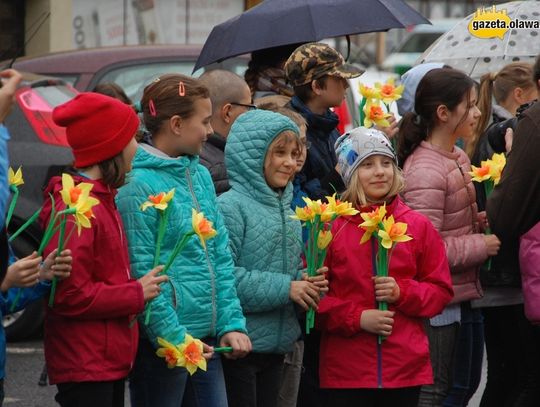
(476, 56)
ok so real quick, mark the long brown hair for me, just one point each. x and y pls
(499, 85)
(170, 95)
(442, 86)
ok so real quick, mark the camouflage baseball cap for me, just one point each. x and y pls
(315, 60)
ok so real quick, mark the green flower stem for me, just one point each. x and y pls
(180, 244)
(25, 225)
(163, 216)
(15, 191)
(382, 271)
(224, 349)
(488, 187)
(312, 261)
(361, 111)
(59, 250)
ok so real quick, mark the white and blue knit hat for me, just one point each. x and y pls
(360, 143)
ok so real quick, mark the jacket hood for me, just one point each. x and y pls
(150, 157)
(246, 148)
(410, 81)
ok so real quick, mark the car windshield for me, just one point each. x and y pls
(419, 42)
(134, 78)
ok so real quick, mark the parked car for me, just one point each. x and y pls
(131, 67)
(411, 48)
(40, 148)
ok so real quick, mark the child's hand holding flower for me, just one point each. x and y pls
(319, 280)
(23, 273)
(56, 266)
(386, 289)
(377, 322)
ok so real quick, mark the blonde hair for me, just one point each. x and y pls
(499, 85)
(356, 195)
(284, 138)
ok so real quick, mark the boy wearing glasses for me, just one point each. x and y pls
(230, 96)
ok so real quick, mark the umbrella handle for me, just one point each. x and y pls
(348, 37)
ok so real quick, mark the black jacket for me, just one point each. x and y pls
(213, 157)
(514, 206)
(318, 177)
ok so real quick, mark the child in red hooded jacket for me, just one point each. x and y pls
(89, 343)
(354, 368)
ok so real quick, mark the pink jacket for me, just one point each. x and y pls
(349, 356)
(439, 186)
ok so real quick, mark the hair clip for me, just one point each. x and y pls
(156, 80)
(152, 108)
(181, 89)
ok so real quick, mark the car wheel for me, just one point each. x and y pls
(23, 324)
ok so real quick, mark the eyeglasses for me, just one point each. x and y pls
(306, 144)
(247, 106)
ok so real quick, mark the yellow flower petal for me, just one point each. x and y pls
(324, 239)
(15, 178)
(202, 227)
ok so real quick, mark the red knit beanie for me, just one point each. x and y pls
(98, 127)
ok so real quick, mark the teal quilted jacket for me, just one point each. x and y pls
(265, 241)
(200, 297)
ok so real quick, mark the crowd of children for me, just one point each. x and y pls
(141, 271)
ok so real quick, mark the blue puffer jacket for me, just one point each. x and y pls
(200, 297)
(26, 296)
(265, 241)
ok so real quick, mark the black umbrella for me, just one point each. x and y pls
(280, 22)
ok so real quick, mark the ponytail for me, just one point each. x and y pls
(412, 131)
(485, 95)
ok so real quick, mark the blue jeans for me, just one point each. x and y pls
(153, 384)
(469, 353)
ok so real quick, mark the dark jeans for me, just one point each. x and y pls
(309, 392)
(153, 384)
(253, 381)
(442, 341)
(403, 397)
(513, 355)
(91, 394)
(468, 357)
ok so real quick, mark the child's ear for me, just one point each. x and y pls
(315, 87)
(175, 124)
(443, 114)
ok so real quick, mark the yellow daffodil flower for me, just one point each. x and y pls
(498, 164)
(159, 201)
(388, 91)
(71, 194)
(375, 115)
(168, 351)
(304, 214)
(78, 197)
(324, 239)
(15, 178)
(340, 208)
(482, 173)
(191, 355)
(368, 92)
(202, 226)
(393, 232)
(319, 208)
(188, 354)
(371, 222)
(83, 212)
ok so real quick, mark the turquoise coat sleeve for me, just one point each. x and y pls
(259, 291)
(230, 316)
(141, 228)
